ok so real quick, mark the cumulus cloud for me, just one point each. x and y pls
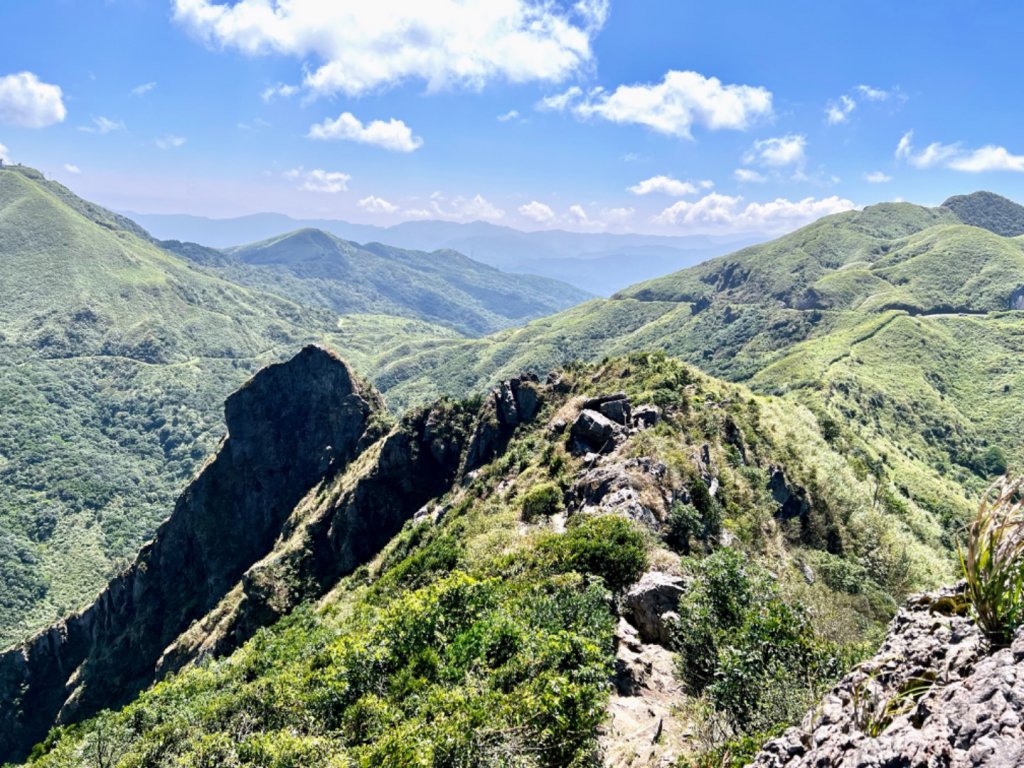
(725, 212)
(578, 215)
(559, 102)
(778, 152)
(458, 208)
(319, 180)
(284, 91)
(394, 135)
(373, 204)
(664, 185)
(537, 211)
(617, 216)
(958, 158)
(27, 102)
(170, 141)
(360, 47)
(142, 90)
(839, 111)
(877, 177)
(673, 106)
(4, 154)
(512, 114)
(749, 176)
(102, 125)
(71, 168)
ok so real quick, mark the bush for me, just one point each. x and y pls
(608, 546)
(543, 500)
(753, 655)
(993, 561)
(994, 462)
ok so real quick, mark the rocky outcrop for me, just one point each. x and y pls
(634, 488)
(936, 694)
(289, 427)
(651, 605)
(510, 404)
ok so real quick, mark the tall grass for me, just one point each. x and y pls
(993, 561)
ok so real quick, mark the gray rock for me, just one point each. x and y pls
(633, 488)
(617, 410)
(792, 499)
(651, 604)
(595, 430)
(646, 416)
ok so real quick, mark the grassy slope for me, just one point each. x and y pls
(486, 641)
(115, 357)
(443, 287)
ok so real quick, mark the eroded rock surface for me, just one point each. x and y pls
(935, 695)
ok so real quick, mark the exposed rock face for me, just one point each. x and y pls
(510, 404)
(935, 695)
(594, 431)
(634, 488)
(651, 604)
(792, 499)
(288, 427)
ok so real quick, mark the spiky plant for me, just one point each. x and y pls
(993, 561)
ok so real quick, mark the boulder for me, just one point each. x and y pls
(595, 430)
(618, 488)
(646, 416)
(652, 603)
(792, 499)
(617, 410)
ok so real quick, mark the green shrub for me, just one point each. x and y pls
(993, 561)
(542, 500)
(608, 546)
(994, 462)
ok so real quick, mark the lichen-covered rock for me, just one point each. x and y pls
(936, 694)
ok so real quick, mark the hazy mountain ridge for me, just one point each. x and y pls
(599, 263)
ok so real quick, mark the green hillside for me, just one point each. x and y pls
(443, 287)
(988, 211)
(115, 357)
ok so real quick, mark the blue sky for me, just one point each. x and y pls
(640, 115)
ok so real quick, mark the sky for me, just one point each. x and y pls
(657, 116)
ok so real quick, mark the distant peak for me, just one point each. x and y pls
(990, 211)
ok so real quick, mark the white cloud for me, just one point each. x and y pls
(394, 135)
(559, 102)
(778, 152)
(458, 208)
(142, 90)
(102, 125)
(360, 47)
(958, 158)
(724, 212)
(512, 114)
(374, 204)
(675, 105)
(839, 111)
(3, 154)
(665, 185)
(989, 158)
(282, 90)
(617, 216)
(877, 177)
(71, 168)
(706, 184)
(873, 94)
(578, 215)
(29, 103)
(170, 141)
(749, 176)
(319, 180)
(537, 211)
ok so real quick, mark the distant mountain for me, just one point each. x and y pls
(598, 263)
(442, 287)
(989, 211)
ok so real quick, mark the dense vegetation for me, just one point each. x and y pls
(481, 640)
(989, 211)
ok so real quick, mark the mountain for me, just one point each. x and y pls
(598, 263)
(114, 357)
(468, 564)
(443, 287)
(988, 211)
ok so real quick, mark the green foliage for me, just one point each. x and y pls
(994, 461)
(989, 211)
(542, 500)
(608, 546)
(993, 561)
(752, 654)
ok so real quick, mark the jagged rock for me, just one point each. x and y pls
(595, 403)
(792, 499)
(595, 431)
(651, 603)
(935, 694)
(527, 398)
(642, 729)
(511, 403)
(287, 426)
(508, 411)
(646, 416)
(615, 407)
(633, 488)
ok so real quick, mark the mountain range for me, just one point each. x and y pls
(599, 263)
(687, 508)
